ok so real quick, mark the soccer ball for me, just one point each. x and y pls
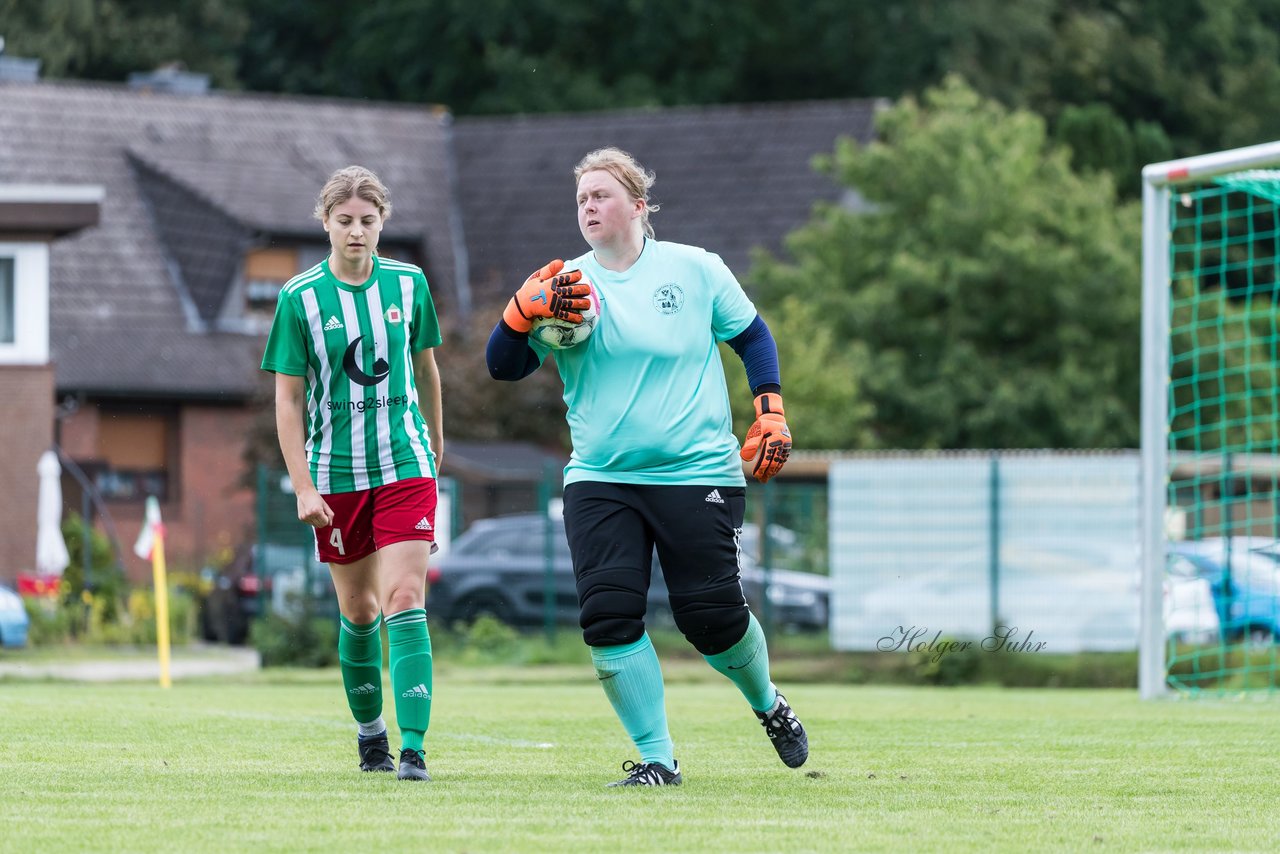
(563, 334)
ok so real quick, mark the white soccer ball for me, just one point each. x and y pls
(563, 334)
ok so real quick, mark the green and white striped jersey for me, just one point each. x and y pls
(354, 345)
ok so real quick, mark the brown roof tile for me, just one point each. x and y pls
(729, 178)
(122, 293)
(191, 180)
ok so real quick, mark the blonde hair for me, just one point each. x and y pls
(353, 181)
(633, 177)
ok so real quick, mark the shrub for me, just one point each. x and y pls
(299, 636)
(98, 618)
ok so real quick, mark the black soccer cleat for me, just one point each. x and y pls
(375, 753)
(786, 733)
(649, 774)
(413, 766)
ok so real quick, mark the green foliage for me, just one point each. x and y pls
(102, 580)
(1223, 339)
(1181, 78)
(987, 293)
(1102, 141)
(531, 410)
(1223, 361)
(490, 642)
(797, 659)
(506, 56)
(52, 623)
(948, 662)
(108, 39)
(96, 618)
(1225, 668)
(489, 639)
(302, 637)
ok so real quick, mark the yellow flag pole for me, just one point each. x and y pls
(162, 605)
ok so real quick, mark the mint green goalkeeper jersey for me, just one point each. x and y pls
(354, 346)
(646, 392)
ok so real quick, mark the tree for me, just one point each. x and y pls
(1101, 140)
(479, 408)
(108, 39)
(984, 296)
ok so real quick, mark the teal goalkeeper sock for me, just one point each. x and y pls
(360, 659)
(410, 661)
(632, 680)
(746, 663)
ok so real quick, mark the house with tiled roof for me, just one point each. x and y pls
(729, 178)
(157, 313)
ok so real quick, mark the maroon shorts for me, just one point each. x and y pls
(371, 519)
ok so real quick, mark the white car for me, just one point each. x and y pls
(1067, 596)
(1190, 615)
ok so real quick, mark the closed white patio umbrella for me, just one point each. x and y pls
(51, 549)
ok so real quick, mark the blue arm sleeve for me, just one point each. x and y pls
(759, 354)
(509, 355)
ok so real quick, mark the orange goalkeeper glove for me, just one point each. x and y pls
(548, 293)
(768, 441)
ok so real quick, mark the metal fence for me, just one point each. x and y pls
(1031, 548)
(285, 552)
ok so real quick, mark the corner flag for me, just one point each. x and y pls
(151, 525)
(150, 544)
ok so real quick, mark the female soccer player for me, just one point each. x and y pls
(359, 421)
(654, 460)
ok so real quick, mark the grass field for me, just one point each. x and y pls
(520, 758)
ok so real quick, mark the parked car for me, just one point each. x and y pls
(295, 576)
(1071, 596)
(1190, 613)
(498, 567)
(13, 619)
(1243, 574)
(232, 598)
(784, 544)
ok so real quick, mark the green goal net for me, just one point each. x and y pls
(1211, 424)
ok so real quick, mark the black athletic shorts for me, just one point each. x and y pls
(694, 528)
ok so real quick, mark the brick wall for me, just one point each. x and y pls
(78, 433)
(209, 511)
(26, 425)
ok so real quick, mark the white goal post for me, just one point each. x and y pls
(1161, 181)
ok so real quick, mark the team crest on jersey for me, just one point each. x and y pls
(669, 298)
(394, 315)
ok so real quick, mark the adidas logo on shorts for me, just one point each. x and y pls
(418, 692)
(366, 688)
(423, 524)
(713, 497)
(332, 323)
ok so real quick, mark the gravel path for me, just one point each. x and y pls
(136, 667)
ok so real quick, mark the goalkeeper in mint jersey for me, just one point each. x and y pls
(655, 462)
(359, 421)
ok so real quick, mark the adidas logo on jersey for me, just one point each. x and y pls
(418, 692)
(366, 688)
(713, 497)
(332, 323)
(423, 524)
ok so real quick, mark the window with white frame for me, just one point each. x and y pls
(6, 301)
(24, 303)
